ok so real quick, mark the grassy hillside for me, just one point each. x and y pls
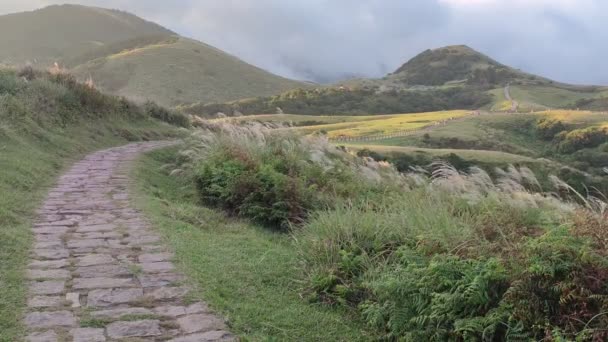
(353, 126)
(56, 33)
(488, 140)
(347, 101)
(46, 123)
(450, 66)
(178, 71)
(534, 97)
(128, 56)
(417, 257)
(457, 63)
(448, 78)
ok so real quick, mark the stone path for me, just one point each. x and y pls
(99, 273)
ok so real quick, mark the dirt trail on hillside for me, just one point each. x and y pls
(514, 104)
(99, 273)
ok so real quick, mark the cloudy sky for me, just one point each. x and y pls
(325, 40)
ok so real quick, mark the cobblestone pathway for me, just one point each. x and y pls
(99, 273)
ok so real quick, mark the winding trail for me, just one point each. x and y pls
(514, 104)
(99, 273)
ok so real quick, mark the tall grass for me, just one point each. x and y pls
(439, 255)
(276, 177)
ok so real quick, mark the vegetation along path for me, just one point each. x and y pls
(98, 272)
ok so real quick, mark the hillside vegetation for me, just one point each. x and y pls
(60, 32)
(571, 144)
(347, 101)
(128, 56)
(46, 122)
(448, 78)
(418, 257)
(180, 70)
(450, 66)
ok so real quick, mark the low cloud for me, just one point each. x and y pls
(325, 40)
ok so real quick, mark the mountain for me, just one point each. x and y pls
(54, 33)
(458, 63)
(451, 77)
(451, 65)
(129, 56)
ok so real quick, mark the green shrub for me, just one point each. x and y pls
(581, 138)
(563, 288)
(166, 115)
(274, 178)
(461, 259)
(9, 83)
(359, 101)
(547, 128)
(441, 298)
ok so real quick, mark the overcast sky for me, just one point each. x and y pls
(323, 40)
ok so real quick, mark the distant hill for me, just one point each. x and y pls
(129, 56)
(449, 66)
(58, 32)
(451, 77)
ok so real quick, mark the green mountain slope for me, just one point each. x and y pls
(450, 66)
(129, 56)
(54, 33)
(181, 70)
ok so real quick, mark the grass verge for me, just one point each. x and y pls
(245, 272)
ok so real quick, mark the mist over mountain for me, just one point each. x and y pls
(562, 40)
(125, 55)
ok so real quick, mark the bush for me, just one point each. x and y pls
(166, 115)
(563, 288)
(360, 101)
(274, 178)
(9, 84)
(462, 259)
(442, 298)
(581, 138)
(547, 129)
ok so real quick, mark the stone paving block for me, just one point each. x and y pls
(49, 319)
(143, 328)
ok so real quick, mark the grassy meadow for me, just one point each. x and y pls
(547, 97)
(353, 126)
(46, 123)
(486, 156)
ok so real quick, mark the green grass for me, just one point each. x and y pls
(354, 126)
(182, 71)
(248, 274)
(56, 33)
(299, 119)
(500, 132)
(543, 97)
(486, 156)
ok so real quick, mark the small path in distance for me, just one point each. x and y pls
(99, 273)
(514, 104)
